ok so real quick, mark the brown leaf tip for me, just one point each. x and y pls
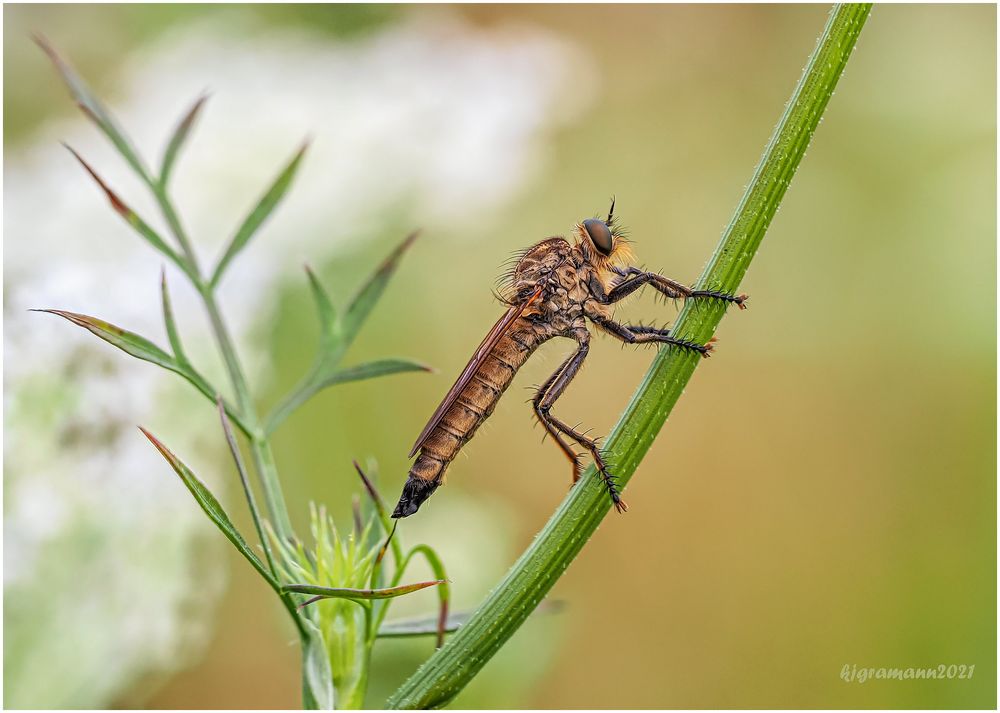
(369, 486)
(192, 114)
(116, 202)
(164, 451)
(390, 262)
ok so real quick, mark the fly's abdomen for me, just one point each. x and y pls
(474, 405)
(471, 407)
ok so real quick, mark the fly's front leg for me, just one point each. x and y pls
(636, 278)
(647, 335)
(547, 396)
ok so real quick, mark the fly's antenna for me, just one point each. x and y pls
(611, 212)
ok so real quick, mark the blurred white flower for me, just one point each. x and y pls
(440, 120)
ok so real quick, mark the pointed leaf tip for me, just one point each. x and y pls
(132, 218)
(156, 442)
(327, 316)
(178, 138)
(373, 369)
(211, 507)
(173, 335)
(93, 109)
(370, 487)
(128, 342)
(141, 348)
(192, 114)
(260, 213)
(117, 203)
(356, 594)
(370, 292)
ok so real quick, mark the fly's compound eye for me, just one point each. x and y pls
(600, 234)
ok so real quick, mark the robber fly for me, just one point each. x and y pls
(554, 288)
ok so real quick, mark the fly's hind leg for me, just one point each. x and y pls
(546, 422)
(547, 395)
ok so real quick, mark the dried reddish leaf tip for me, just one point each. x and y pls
(82, 320)
(164, 451)
(116, 202)
(369, 486)
(307, 602)
(395, 255)
(78, 319)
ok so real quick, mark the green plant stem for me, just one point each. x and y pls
(452, 667)
(260, 447)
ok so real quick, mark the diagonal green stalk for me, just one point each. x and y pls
(260, 447)
(452, 667)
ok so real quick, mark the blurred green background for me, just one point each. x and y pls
(825, 491)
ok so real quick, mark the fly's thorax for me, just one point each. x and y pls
(562, 298)
(537, 266)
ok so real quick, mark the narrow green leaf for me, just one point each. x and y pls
(421, 626)
(178, 138)
(94, 110)
(373, 494)
(429, 625)
(368, 295)
(444, 591)
(258, 521)
(375, 507)
(327, 314)
(141, 348)
(337, 334)
(317, 677)
(260, 213)
(128, 342)
(356, 594)
(132, 218)
(213, 509)
(316, 382)
(171, 325)
(241, 470)
(372, 370)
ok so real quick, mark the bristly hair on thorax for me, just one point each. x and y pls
(621, 255)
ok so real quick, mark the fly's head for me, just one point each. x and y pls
(602, 245)
(561, 268)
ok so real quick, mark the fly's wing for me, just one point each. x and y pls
(499, 329)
